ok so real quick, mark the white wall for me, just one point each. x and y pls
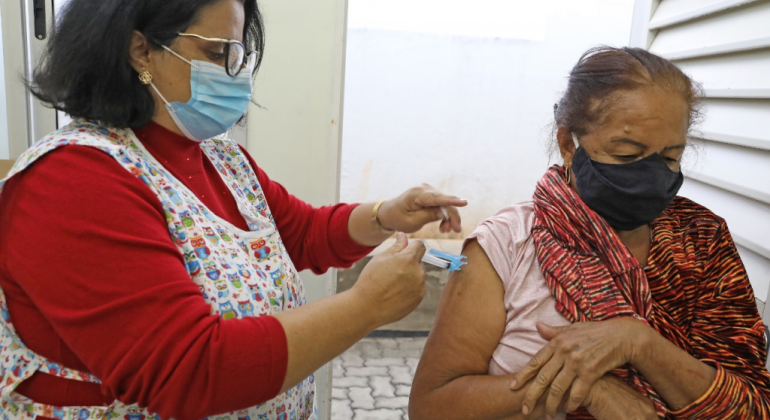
(457, 96)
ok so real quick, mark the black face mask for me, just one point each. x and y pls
(628, 195)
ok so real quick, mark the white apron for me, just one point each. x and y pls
(239, 273)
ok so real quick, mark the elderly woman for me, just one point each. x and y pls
(606, 296)
(148, 266)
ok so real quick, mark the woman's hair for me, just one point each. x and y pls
(85, 71)
(604, 71)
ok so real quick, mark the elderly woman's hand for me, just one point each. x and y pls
(419, 206)
(576, 357)
(610, 398)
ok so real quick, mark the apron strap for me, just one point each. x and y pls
(69, 413)
(55, 369)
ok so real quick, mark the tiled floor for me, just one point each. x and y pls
(373, 379)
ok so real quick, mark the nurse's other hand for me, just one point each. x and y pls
(394, 281)
(419, 206)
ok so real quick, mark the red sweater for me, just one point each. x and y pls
(94, 282)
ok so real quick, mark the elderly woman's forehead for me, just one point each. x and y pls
(648, 107)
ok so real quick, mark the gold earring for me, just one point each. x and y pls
(145, 77)
(569, 173)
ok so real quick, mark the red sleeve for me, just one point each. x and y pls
(89, 245)
(316, 238)
(727, 333)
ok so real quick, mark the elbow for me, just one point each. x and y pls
(420, 405)
(420, 411)
(415, 413)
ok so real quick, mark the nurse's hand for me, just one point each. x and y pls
(394, 281)
(388, 289)
(419, 206)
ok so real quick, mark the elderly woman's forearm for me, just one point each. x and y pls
(731, 396)
(696, 390)
(478, 397)
(677, 376)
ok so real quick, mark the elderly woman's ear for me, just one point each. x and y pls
(566, 144)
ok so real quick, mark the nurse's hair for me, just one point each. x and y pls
(604, 71)
(85, 72)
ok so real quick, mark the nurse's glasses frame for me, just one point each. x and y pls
(235, 54)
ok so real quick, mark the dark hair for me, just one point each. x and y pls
(85, 71)
(603, 71)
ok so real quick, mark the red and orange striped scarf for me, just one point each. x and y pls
(589, 270)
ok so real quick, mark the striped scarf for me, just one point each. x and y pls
(589, 270)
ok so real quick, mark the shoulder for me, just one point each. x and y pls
(82, 157)
(689, 216)
(695, 227)
(74, 170)
(101, 144)
(86, 186)
(512, 223)
(505, 236)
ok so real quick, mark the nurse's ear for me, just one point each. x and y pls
(139, 52)
(567, 145)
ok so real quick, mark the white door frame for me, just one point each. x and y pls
(28, 119)
(641, 35)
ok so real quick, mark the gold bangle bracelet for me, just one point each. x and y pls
(376, 215)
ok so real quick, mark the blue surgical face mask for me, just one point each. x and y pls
(218, 101)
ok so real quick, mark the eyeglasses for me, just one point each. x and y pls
(235, 54)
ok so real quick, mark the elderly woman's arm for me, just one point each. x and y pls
(722, 374)
(727, 333)
(452, 380)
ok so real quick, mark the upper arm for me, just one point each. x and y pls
(469, 323)
(726, 324)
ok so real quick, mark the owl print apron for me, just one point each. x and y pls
(239, 273)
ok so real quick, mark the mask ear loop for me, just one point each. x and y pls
(152, 85)
(180, 57)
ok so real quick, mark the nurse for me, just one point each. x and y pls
(148, 266)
